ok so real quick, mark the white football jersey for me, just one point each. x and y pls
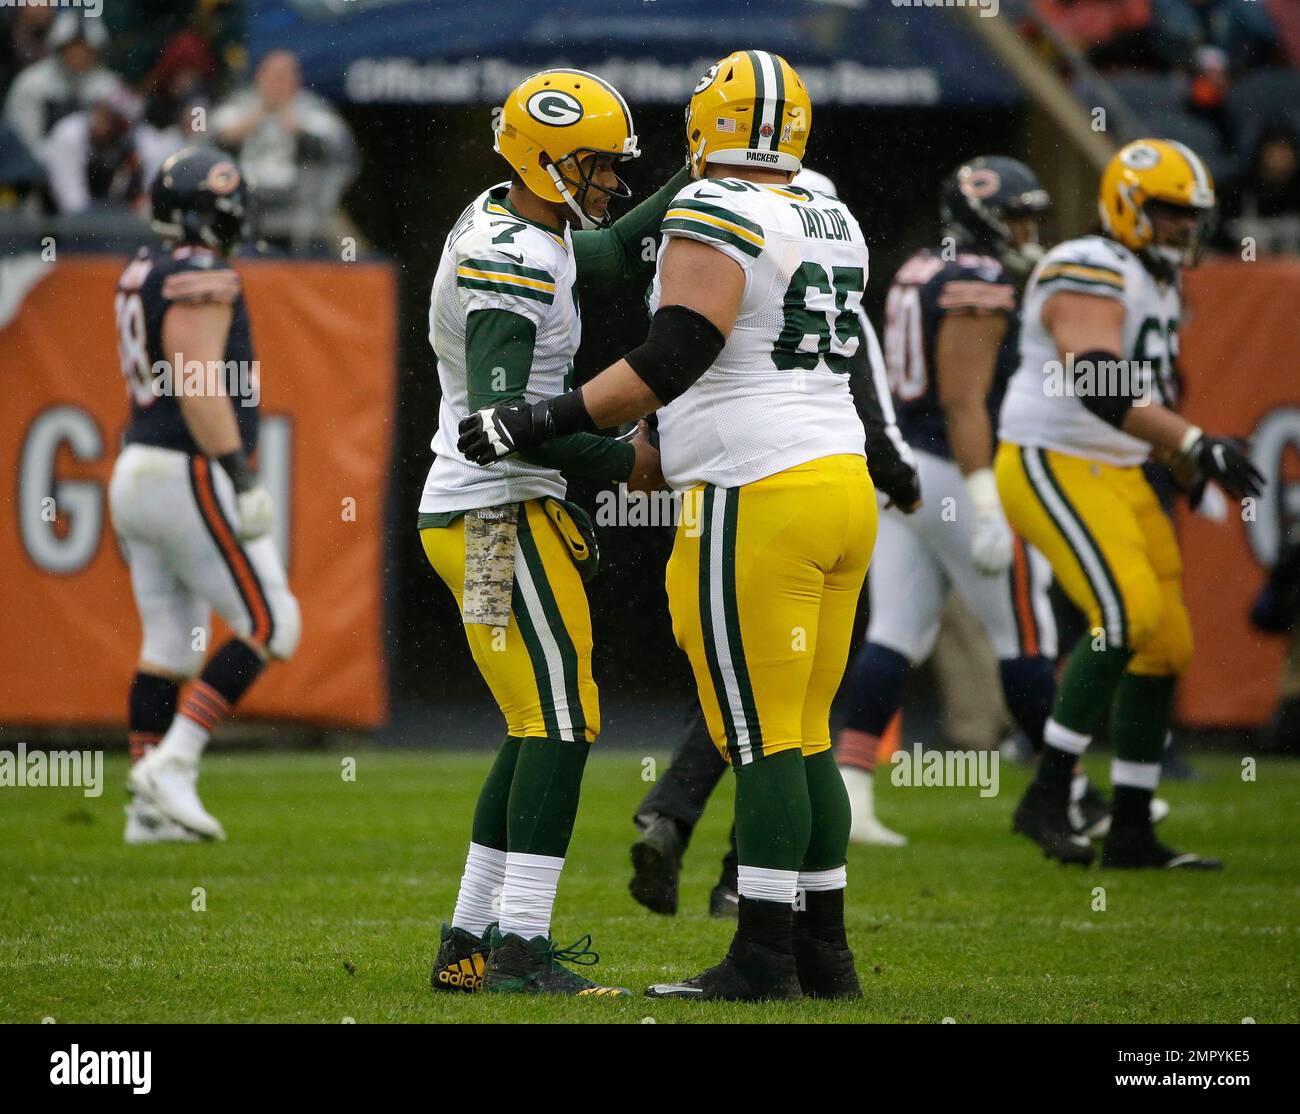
(1035, 411)
(494, 259)
(778, 393)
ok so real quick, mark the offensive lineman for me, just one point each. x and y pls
(189, 512)
(754, 321)
(1091, 400)
(950, 347)
(504, 323)
(667, 816)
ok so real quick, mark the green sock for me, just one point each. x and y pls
(1087, 686)
(773, 813)
(1139, 720)
(828, 845)
(489, 829)
(544, 795)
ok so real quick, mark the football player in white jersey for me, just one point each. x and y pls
(667, 816)
(951, 324)
(1092, 399)
(504, 323)
(755, 318)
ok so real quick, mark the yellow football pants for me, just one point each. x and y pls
(763, 585)
(1111, 546)
(538, 667)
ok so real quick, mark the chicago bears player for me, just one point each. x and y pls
(187, 507)
(950, 327)
(1091, 400)
(754, 322)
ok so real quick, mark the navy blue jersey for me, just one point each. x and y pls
(153, 281)
(926, 287)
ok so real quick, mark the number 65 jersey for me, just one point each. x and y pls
(778, 393)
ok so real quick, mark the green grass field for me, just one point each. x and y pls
(324, 905)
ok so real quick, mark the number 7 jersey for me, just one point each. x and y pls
(778, 393)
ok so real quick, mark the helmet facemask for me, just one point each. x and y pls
(1174, 256)
(577, 193)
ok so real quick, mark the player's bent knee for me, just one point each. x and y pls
(173, 652)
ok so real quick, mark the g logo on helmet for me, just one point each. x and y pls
(706, 80)
(555, 108)
(1141, 156)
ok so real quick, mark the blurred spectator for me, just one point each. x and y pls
(292, 145)
(1207, 92)
(1110, 32)
(91, 156)
(20, 173)
(143, 31)
(158, 137)
(1265, 203)
(22, 40)
(69, 79)
(1245, 32)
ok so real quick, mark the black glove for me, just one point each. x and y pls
(488, 435)
(1223, 460)
(496, 431)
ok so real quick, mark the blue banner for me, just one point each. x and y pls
(849, 52)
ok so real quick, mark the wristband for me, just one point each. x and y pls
(236, 466)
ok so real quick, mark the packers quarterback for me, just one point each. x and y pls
(755, 319)
(1093, 397)
(504, 324)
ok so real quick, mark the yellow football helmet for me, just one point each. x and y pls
(1148, 170)
(551, 121)
(750, 109)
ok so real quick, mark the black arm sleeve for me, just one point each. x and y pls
(680, 347)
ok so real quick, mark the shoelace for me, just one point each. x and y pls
(578, 953)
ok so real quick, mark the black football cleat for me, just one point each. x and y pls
(1090, 814)
(460, 961)
(824, 970)
(536, 966)
(724, 902)
(657, 865)
(750, 972)
(1046, 821)
(1138, 849)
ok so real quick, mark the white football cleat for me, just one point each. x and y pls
(145, 824)
(862, 799)
(169, 786)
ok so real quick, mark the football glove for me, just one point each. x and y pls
(256, 512)
(253, 502)
(494, 432)
(1224, 460)
(990, 540)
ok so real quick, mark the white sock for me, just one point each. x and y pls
(760, 883)
(1137, 775)
(1062, 738)
(861, 787)
(184, 741)
(528, 895)
(479, 899)
(1078, 786)
(819, 881)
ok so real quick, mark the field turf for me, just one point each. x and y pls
(324, 905)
